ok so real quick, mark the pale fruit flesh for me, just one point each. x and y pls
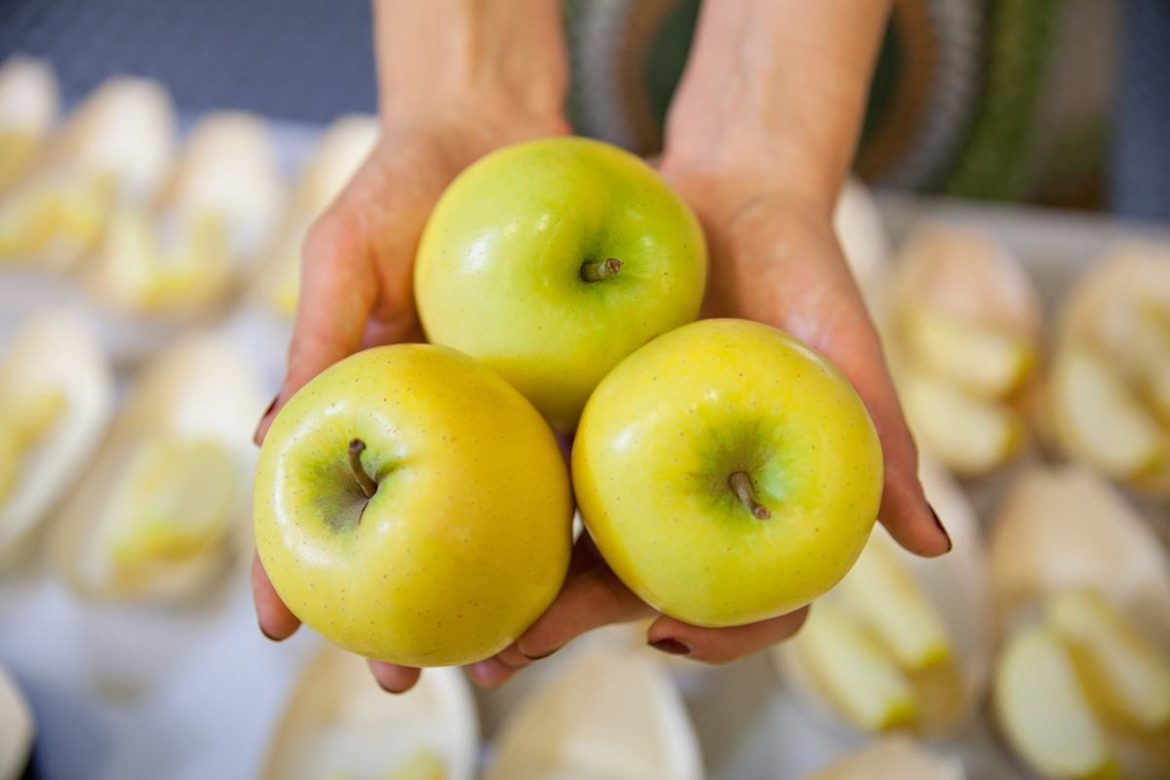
(893, 758)
(983, 361)
(970, 435)
(421, 766)
(1043, 712)
(1122, 673)
(863, 683)
(884, 596)
(25, 419)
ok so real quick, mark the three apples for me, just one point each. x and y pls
(412, 504)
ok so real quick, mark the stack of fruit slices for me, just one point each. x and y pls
(902, 643)
(29, 106)
(1082, 684)
(964, 333)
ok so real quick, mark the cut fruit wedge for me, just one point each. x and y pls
(56, 397)
(971, 436)
(1043, 712)
(893, 758)
(882, 595)
(339, 724)
(29, 104)
(130, 530)
(1097, 417)
(1121, 672)
(16, 738)
(864, 240)
(982, 361)
(853, 672)
(1065, 529)
(611, 712)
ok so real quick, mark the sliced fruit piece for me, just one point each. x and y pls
(983, 361)
(893, 758)
(610, 713)
(855, 674)
(16, 738)
(1119, 669)
(29, 102)
(883, 595)
(25, 418)
(1043, 712)
(173, 502)
(338, 724)
(1099, 419)
(969, 435)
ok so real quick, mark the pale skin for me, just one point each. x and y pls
(759, 139)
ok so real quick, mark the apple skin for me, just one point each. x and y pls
(498, 273)
(660, 438)
(466, 541)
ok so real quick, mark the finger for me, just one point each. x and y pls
(490, 674)
(721, 645)
(393, 678)
(591, 597)
(277, 622)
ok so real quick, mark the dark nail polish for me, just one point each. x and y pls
(942, 528)
(267, 635)
(671, 646)
(263, 417)
(539, 657)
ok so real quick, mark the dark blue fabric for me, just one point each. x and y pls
(1141, 148)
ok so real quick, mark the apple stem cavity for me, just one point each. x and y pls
(598, 270)
(741, 484)
(365, 481)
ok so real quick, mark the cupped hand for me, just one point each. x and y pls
(774, 258)
(356, 285)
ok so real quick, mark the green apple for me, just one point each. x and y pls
(727, 473)
(554, 259)
(412, 507)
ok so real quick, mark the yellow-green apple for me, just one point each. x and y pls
(727, 473)
(412, 507)
(554, 259)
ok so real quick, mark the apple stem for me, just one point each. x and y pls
(741, 484)
(365, 482)
(596, 270)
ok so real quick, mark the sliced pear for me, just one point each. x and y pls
(1043, 713)
(893, 758)
(127, 533)
(338, 723)
(56, 396)
(1119, 669)
(16, 738)
(881, 594)
(864, 240)
(983, 361)
(1098, 418)
(29, 104)
(855, 674)
(610, 712)
(1067, 528)
(969, 435)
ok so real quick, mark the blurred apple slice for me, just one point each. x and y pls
(1043, 712)
(29, 105)
(609, 712)
(56, 396)
(16, 738)
(1119, 669)
(130, 530)
(983, 361)
(852, 670)
(880, 593)
(969, 435)
(864, 241)
(893, 758)
(339, 724)
(1099, 419)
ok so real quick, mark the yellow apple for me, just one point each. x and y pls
(727, 473)
(412, 507)
(552, 260)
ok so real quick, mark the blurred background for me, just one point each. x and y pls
(1008, 223)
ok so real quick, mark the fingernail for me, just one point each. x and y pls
(538, 657)
(267, 635)
(938, 523)
(672, 647)
(263, 417)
